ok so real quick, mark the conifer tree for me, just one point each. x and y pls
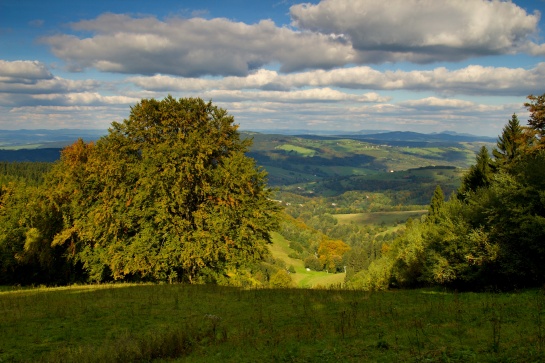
(478, 175)
(436, 204)
(510, 144)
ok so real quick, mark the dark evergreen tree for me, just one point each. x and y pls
(478, 175)
(436, 205)
(510, 145)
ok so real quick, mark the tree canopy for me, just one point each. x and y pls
(167, 195)
(491, 234)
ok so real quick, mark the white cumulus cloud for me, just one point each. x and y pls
(421, 30)
(193, 47)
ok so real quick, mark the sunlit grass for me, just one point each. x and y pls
(377, 218)
(302, 277)
(297, 149)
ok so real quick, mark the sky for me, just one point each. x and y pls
(331, 65)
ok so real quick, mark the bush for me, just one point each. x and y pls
(312, 262)
(281, 279)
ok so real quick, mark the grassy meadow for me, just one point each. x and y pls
(303, 278)
(206, 323)
(378, 218)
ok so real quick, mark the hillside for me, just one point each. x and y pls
(306, 159)
(302, 277)
(370, 187)
(315, 164)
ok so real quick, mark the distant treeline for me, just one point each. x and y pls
(30, 172)
(45, 155)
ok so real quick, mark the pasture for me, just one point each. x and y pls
(378, 218)
(303, 278)
(208, 323)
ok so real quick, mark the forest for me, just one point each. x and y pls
(174, 193)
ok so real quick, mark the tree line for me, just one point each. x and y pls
(490, 233)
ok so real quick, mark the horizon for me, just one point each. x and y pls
(291, 132)
(327, 66)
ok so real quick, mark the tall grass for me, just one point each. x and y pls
(124, 323)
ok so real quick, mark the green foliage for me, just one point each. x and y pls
(312, 262)
(436, 204)
(166, 195)
(28, 222)
(377, 277)
(32, 173)
(281, 279)
(511, 144)
(491, 235)
(478, 175)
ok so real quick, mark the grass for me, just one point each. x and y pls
(121, 323)
(303, 278)
(378, 218)
(297, 149)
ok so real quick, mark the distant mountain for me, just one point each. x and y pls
(45, 145)
(297, 132)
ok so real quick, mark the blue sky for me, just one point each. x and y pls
(410, 65)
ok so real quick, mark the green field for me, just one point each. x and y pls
(208, 323)
(303, 278)
(377, 218)
(297, 149)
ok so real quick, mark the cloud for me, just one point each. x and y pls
(30, 83)
(83, 99)
(23, 71)
(58, 117)
(429, 114)
(470, 80)
(300, 96)
(33, 77)
(255, 80)
(194, 47)
(326, 35)
(421, 30)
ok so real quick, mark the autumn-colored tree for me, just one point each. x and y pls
(281, 279)
(536, 106)
(331, 253)
(168, 194)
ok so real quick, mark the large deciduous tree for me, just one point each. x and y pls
(168, 194)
